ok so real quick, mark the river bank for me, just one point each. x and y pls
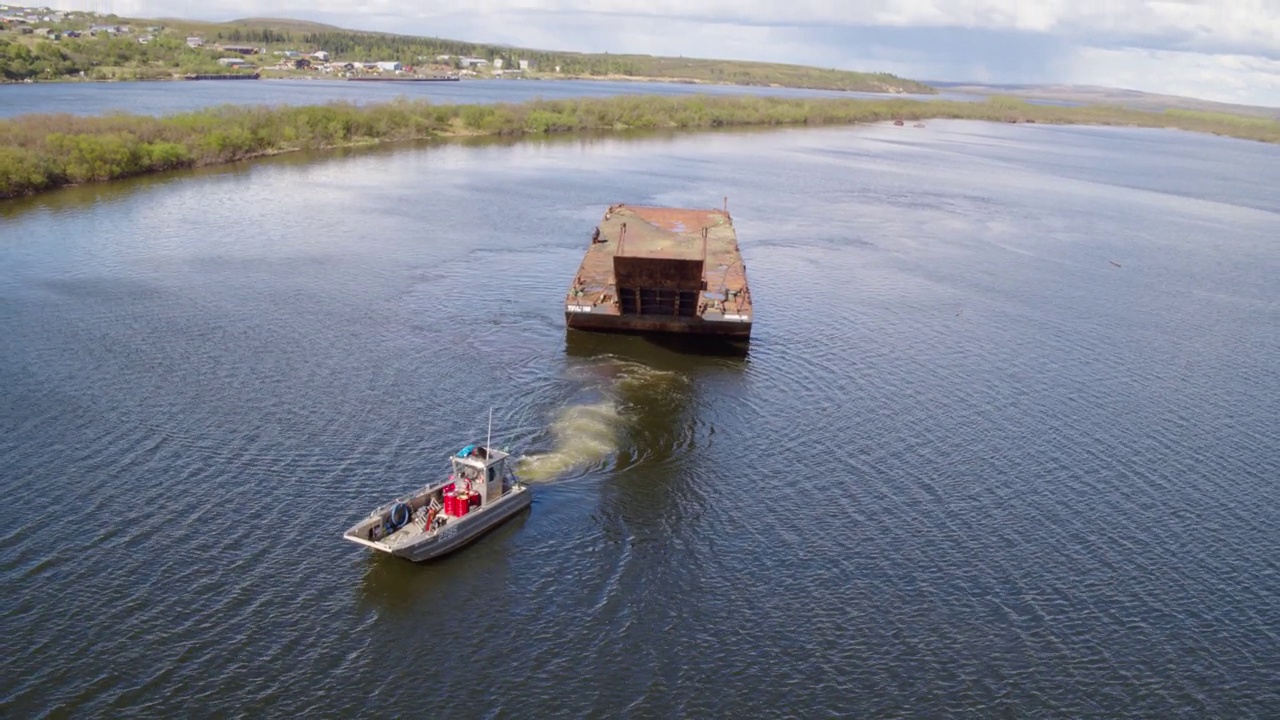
(43, 152)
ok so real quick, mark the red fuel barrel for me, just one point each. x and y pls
(473, 499)
(460, 503)
(450, 504)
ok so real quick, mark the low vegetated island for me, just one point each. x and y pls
(40, 152)
(39, 45)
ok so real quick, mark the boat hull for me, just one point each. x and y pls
(732, 326)
(465, 530)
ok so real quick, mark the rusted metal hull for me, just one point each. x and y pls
(677, 326)
(663, 271)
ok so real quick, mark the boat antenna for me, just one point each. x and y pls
(488, 438)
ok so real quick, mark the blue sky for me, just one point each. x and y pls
(1226, 50)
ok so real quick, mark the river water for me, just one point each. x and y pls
(1003, 444)
(161, 98)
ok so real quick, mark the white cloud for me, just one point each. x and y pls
(1229, 23)
(1225, 78)
(1254, 23)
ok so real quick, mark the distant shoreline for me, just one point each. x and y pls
(639, 79)
(44, 152)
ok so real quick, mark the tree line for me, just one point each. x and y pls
(102, 57)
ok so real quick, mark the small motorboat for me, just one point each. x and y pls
(479, 495)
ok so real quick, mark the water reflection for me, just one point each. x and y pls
(81, 197)
(92, 194)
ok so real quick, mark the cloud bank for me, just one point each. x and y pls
(1227, 50)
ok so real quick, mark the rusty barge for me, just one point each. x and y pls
(662, 270)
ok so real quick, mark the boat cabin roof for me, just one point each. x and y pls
(479, 456)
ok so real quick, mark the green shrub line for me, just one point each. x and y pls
(41, 152)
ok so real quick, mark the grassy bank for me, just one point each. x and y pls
(40, 152)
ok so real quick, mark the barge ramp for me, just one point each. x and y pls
(662, 270)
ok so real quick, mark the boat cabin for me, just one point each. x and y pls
(480, 469)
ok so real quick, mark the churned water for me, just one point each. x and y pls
(1004, 442)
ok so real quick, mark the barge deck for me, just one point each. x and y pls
(662, 270)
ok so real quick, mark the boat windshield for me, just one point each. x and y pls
(464, 471)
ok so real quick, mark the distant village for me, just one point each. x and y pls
(54, 25)
(23, 20)
(320, 61)
(242, 56)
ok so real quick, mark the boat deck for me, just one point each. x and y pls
(705, 237)
(411, 532)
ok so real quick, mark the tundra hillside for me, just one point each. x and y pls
(51, 45)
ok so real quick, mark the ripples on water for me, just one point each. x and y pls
(968, 465)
